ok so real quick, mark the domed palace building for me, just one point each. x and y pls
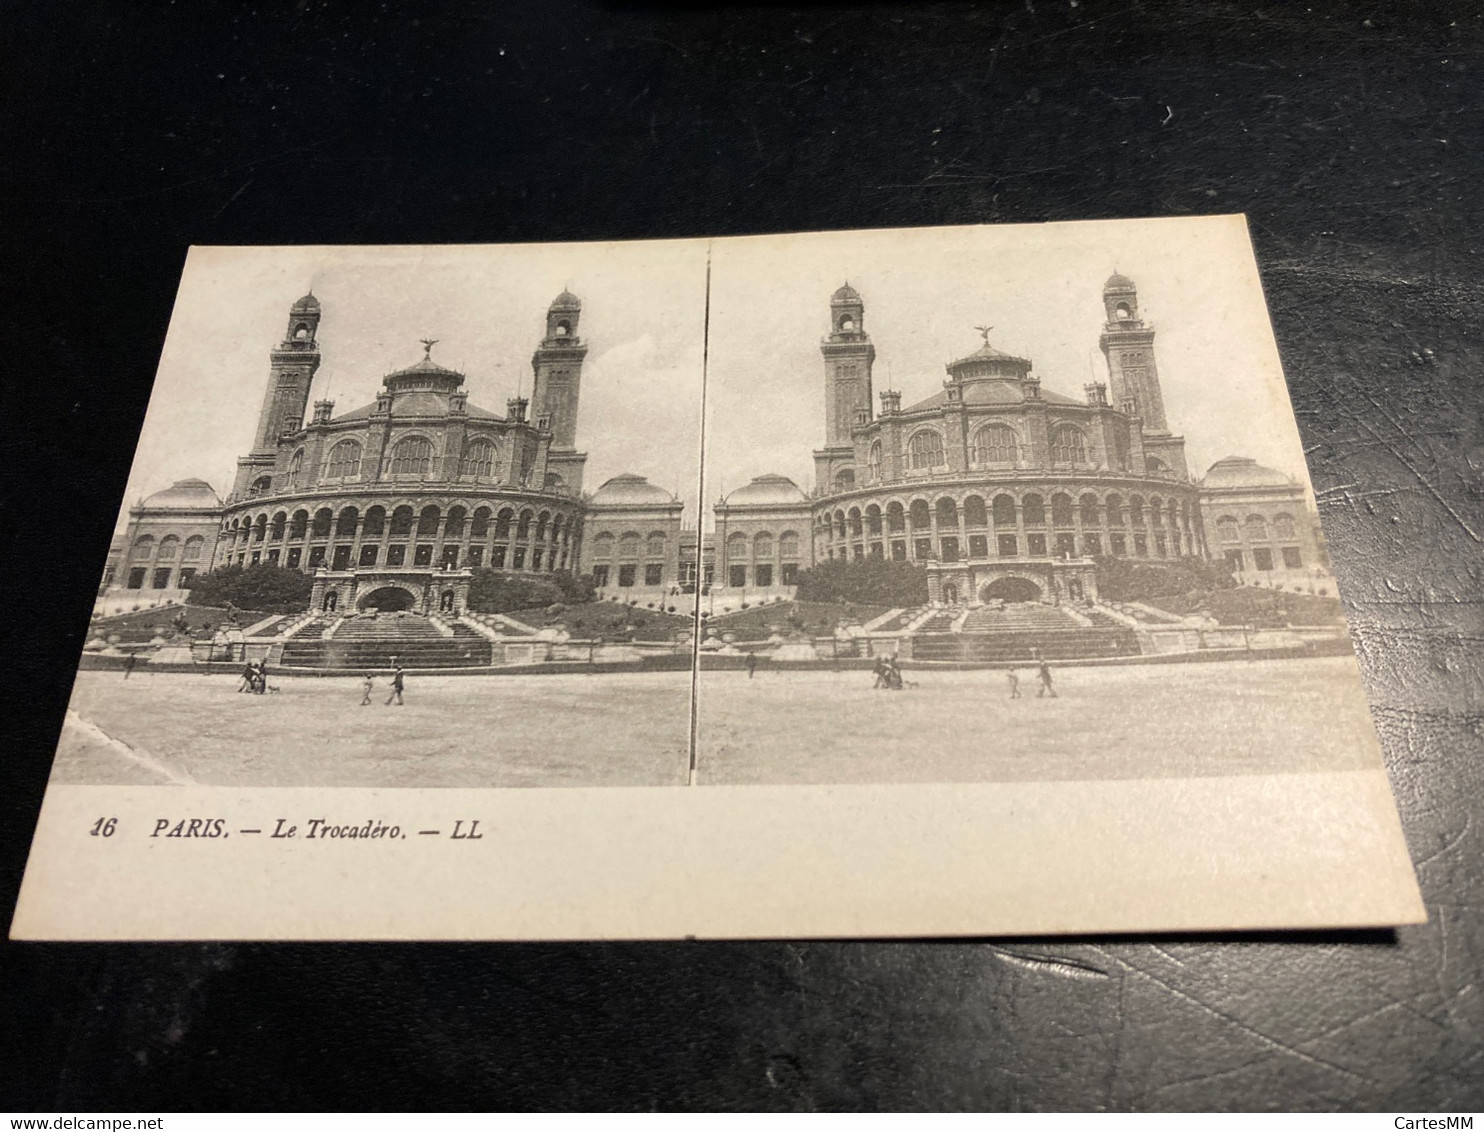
(1258, 519)
(1000, 488)
(171, 536)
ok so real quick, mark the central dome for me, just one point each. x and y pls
(989, 363)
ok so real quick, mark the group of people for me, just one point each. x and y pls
(888, 673)
(368, 684)
(255, 681)
(254, 677)
(1043, 674)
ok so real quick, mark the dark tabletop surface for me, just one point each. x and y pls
(1350, 134)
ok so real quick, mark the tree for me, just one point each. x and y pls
(1120, 579)
(262, 588)
(869, 581)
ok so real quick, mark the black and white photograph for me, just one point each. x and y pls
(375, 478)
(985, 466)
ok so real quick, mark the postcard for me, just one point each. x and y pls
(925, 582)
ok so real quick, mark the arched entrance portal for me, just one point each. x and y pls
(388, 599)
(1011, 589)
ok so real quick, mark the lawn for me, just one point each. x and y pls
(791, 726)
(1249, 605)
(816, 618)
(614, 621)
(135, 628)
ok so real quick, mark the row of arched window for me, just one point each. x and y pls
(1255, 527)
(526, 525)
(627, 545)
(410, 458)
(144, 547)
(992, 444)
(762, 546)
(761, 560)
(1031, 511)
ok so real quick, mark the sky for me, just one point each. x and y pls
(645, 321)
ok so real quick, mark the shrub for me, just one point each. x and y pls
(493, 591)
(870, 581)
(1120, 579)
(261, 588)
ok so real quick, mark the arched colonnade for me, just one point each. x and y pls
(413, 533)
(1034, 522)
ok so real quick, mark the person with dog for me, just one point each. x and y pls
(893, 674)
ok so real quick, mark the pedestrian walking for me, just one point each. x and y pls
(1014, 678)
(1044, 675)
(249, 677)
(129, 664)
(396, 687)
(262, 683)
(366, 685)
(751, 664)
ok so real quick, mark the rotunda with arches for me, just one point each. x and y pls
(394, 503)
(1002, 489)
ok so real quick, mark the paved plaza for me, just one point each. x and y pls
(632, 729)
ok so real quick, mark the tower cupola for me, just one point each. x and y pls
(847, 314)
(303, 324)
(561, 318)
(1121, 301)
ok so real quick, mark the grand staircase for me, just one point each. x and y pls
(1022, 631)
(409, 640)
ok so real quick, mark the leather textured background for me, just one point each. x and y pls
(1351, 135)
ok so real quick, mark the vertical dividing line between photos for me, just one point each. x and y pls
(695, 613)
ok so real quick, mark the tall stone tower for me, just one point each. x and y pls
(558, 366)
(1128, 344)
(557, 363)
(848, 355)
(292, 363)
